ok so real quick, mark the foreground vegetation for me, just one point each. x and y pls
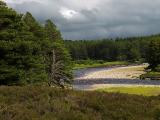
(80, 64)
(43, 103)
(145, 91)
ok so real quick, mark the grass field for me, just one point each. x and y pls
(91, 64)
(43, 103)
(145, 91)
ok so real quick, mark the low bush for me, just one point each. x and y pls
(157, 69)
(151, 76)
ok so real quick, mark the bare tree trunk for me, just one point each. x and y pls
(56, 75)
(53, 60)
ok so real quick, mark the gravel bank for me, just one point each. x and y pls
(94, 78)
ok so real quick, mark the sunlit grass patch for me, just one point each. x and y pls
(145, 91)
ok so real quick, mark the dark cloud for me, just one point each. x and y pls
(93, 19)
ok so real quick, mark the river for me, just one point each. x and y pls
(118, 76)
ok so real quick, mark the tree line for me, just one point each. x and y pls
(127, 49)
(31, 53)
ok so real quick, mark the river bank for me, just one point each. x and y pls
(83, 64)
(119, 76)
(114, 72)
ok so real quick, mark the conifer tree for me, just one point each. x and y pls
(58, 58)
(153, 57)
(30, 53)
(20, 62)
(34, 26)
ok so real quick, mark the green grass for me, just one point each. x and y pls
(92, 64)
(145, 91)
(43, 103)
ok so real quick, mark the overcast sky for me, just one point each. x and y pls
(96, 19)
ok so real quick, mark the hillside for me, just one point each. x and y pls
(41, 103)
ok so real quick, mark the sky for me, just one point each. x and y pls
(95, 19)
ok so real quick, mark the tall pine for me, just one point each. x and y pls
(57, 57)
(153, 57)
(20, 61)
(31, 53)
